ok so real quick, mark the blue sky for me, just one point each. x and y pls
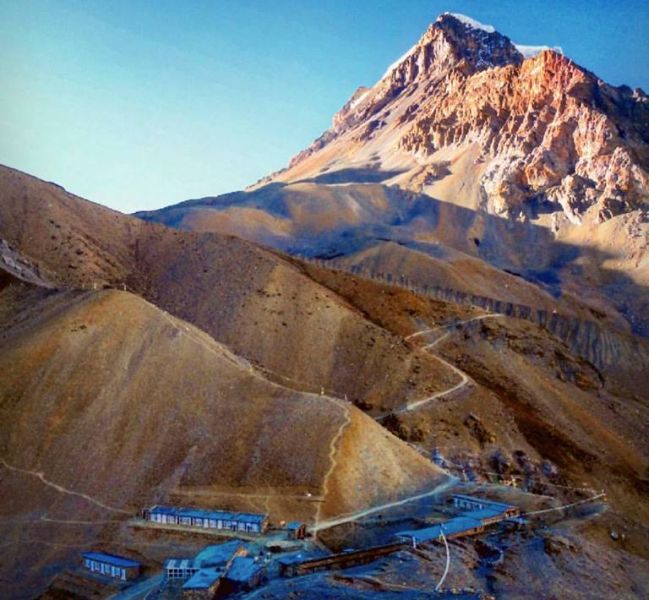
(142, 104)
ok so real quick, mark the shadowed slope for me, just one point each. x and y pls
(434, 241)
(261, 305)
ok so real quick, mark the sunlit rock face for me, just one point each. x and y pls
(542, 128)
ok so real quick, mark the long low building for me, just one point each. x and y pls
(478, 514)
(457, 527)
(207, 519)
(111, 565)
(296, 565)
(486, 516)
(472, 503)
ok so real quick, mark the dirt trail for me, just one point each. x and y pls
(464, 378)
(41, 476)
(571, 504)
(243, 363)
(333, 522)
(250, 495)
(333, 447)
(223, 353)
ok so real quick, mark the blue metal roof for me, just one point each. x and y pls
(484, 501)
(110, 559)
(295, 557)
(243, 568)
(484, 513)
(218, 554)
(294, 525)
(451, 527)
(163, 510)
(203, 579)
(200, 513)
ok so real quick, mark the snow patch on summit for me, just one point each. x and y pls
(530, 51)
(358, 100)
(469, 22)
(397, 62)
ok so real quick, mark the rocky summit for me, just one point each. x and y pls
(542, 131)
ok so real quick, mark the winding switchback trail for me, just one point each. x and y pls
(41, 476)
(464, 378)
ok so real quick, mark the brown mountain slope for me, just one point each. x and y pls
(347, 220)
(108, 397)
(621, 359)
(535, 405)
(262, 306)
(267, 309)
(528, 400)
(531, 409)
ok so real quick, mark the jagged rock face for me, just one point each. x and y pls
(543, 129)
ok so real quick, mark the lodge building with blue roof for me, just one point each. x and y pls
(110, 565)
(475, 503)
(252, 523)
(478, 514)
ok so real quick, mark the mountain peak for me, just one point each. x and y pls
(452, 43)
(479, 45)
(466, 21)
(460, 21)
(510, 112)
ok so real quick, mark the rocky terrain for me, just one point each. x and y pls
(545, 132)
(553, 564)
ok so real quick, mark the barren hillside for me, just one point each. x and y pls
(95, 378)
(112, 399)
(265, 308)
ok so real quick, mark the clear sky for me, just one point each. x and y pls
(142, 104)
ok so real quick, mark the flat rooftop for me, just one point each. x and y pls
(451, 527)
(218, 554)
(243, 569)
(111, 559)
(200, 513)
(484, 513)
(203, 579)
